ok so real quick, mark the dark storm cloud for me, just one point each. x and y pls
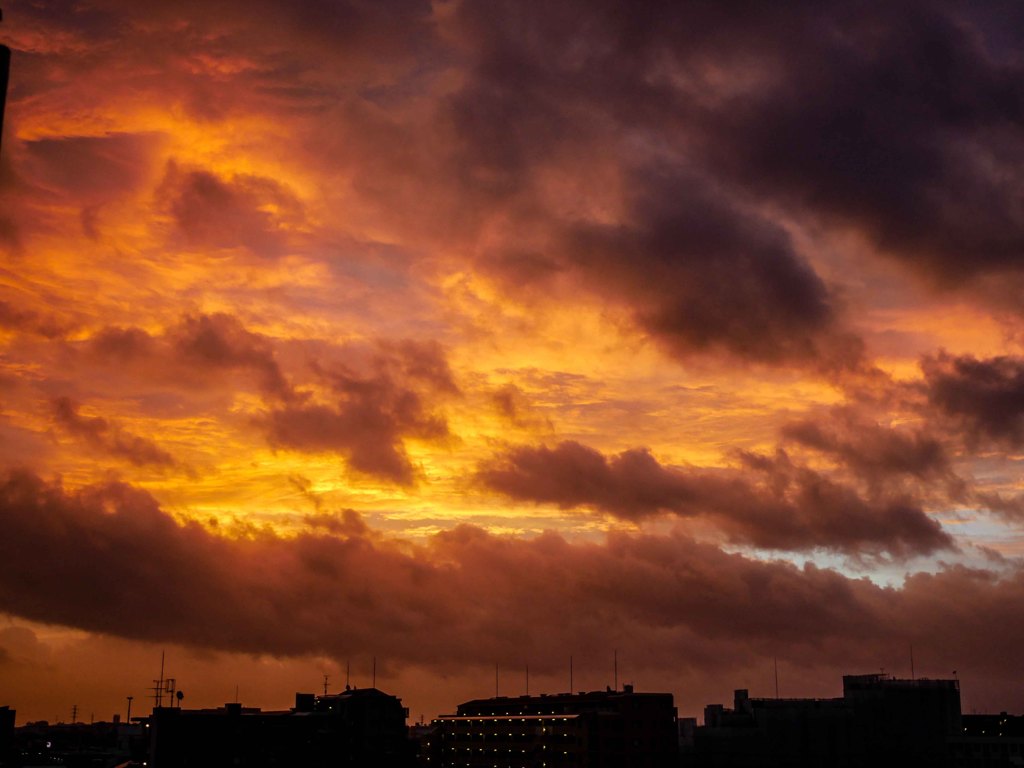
(211, 212)
(696, 267)
(123, 344)
(982, 398)
(772, 504)
(871, 450)
(896, 119)
(375, 407)
(91, 168)
(192, 351)
(100, 433)
(26, 320)
(900, 121)
(514, 405)
(699, 273)
(221, 341)
(361, 401)
(108, 559)
(425, 362)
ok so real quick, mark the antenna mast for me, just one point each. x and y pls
(158, 685)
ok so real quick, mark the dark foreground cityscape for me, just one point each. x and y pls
(879, 720)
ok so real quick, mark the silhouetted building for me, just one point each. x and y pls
(7, 716)
(989, 741)
(907, 719)
(79, 745)
(879, 720)
(595, 729)
(5, 69)
(360, 727)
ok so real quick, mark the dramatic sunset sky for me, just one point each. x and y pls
(459, 333)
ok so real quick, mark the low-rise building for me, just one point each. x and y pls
(989, 741)
(598, 729)
(360, 727)
(879, 720)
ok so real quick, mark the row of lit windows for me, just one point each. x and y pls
(565, 738)
(495, 751)
(498, 719)
(549, 733)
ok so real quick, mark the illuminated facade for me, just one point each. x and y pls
(596, 729)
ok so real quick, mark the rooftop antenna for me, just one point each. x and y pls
(74, 714)
(129, 718)
(616, 669)
(776, 677)
(158, 685)
(325, 685)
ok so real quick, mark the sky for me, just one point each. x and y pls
(441, 337)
